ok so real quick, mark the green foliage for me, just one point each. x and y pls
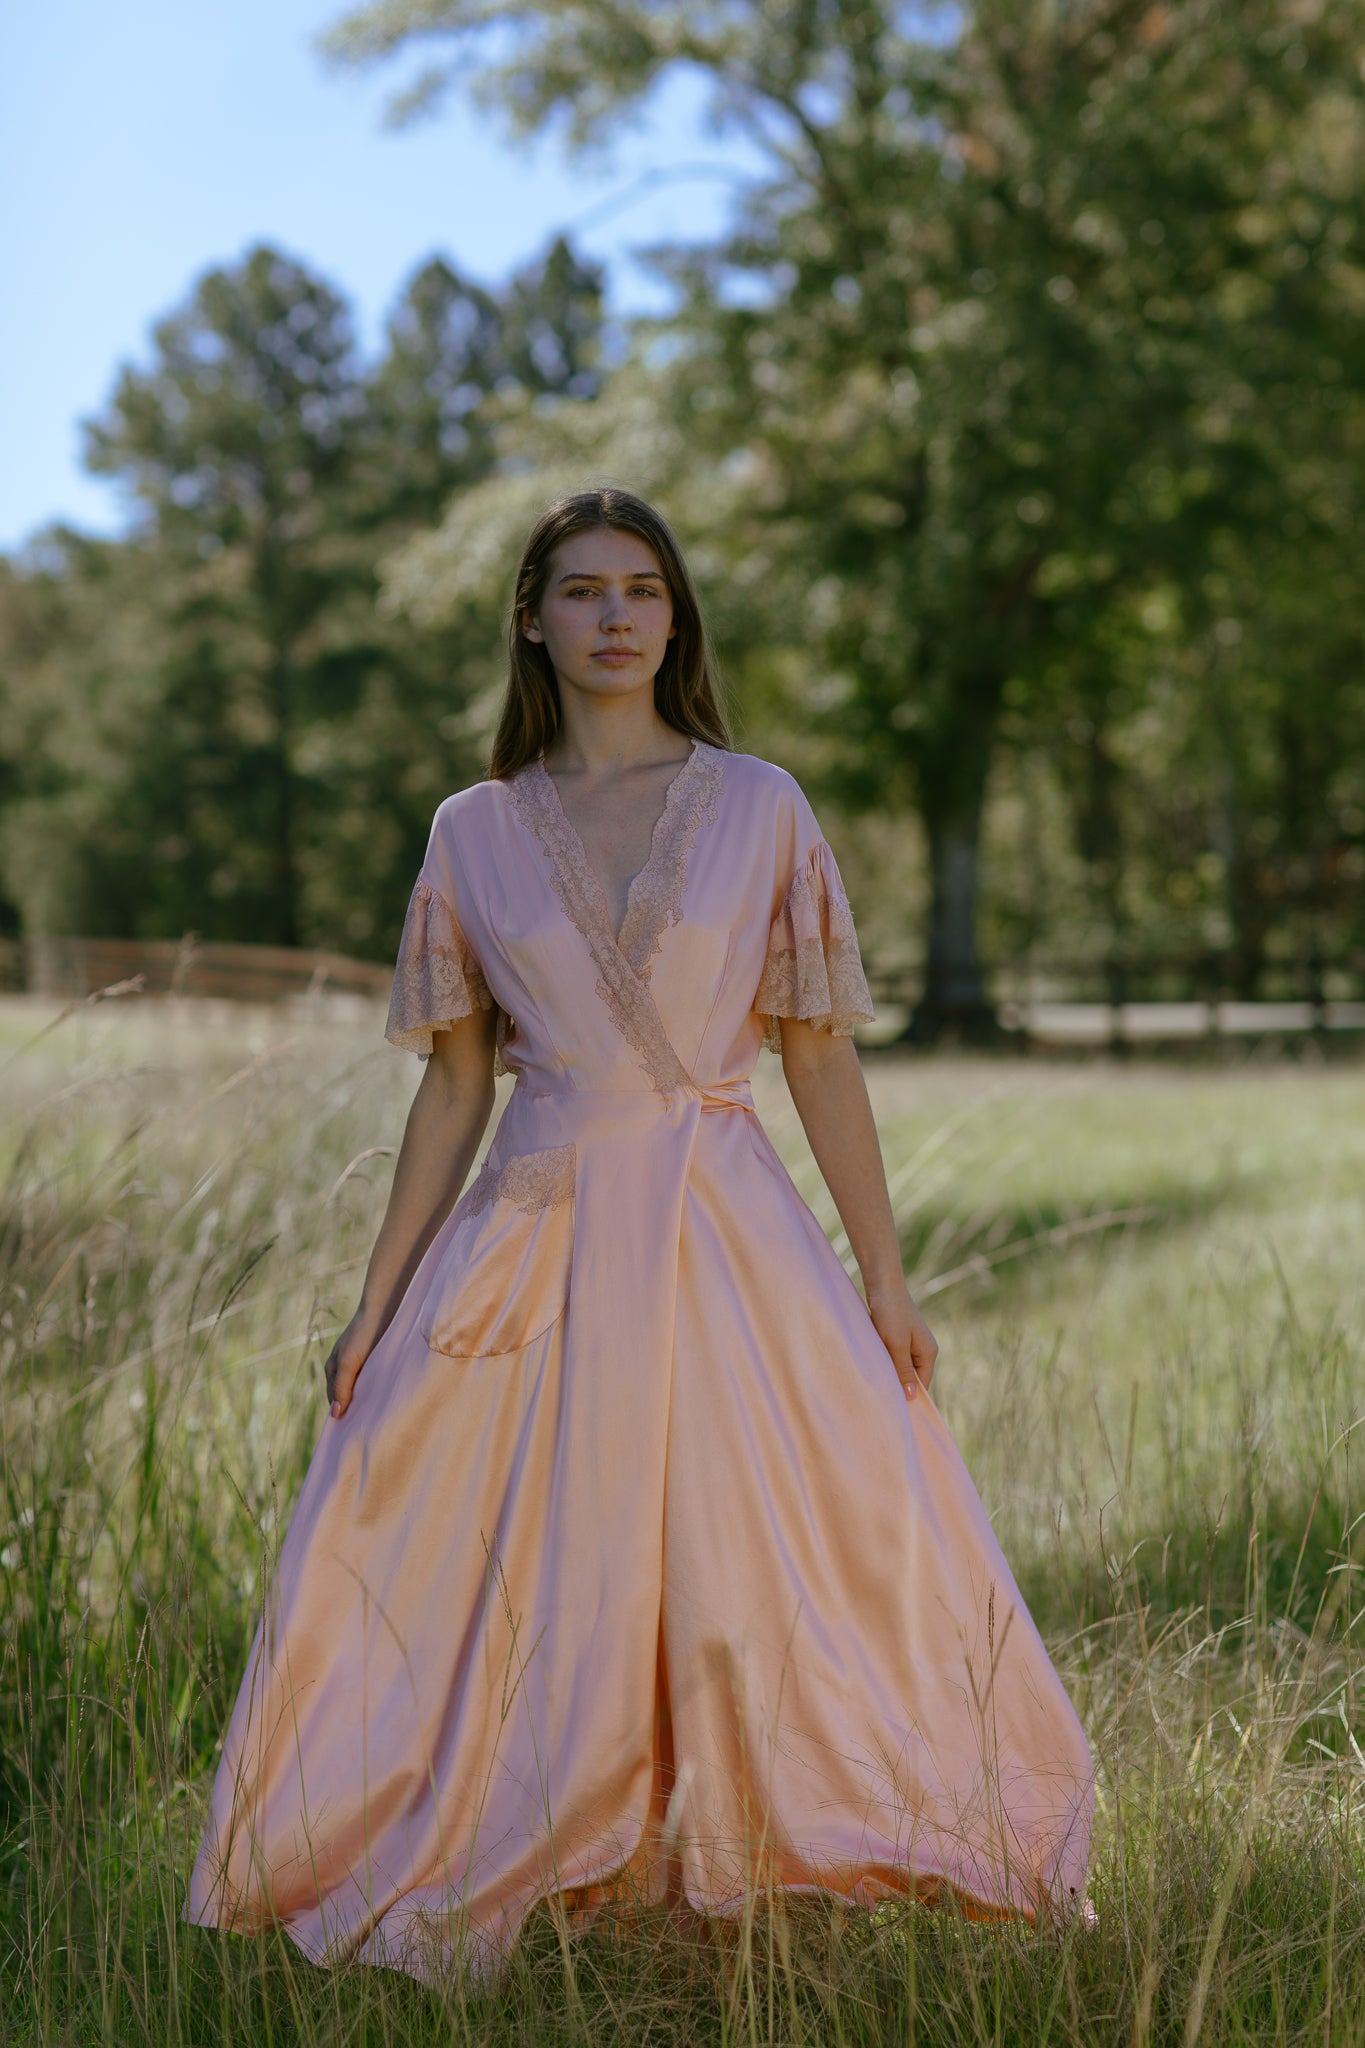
(1016, 430)
(221, 729)
(1045, 338)
(452, 346)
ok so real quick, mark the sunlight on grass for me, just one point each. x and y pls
(1148, 1288)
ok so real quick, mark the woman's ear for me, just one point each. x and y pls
(529, 629)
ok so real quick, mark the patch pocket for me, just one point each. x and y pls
(504, 1277)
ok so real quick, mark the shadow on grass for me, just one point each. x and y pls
(1001, 1248)
(1286, 1557)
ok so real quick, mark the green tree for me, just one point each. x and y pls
(218, 725)
(234, 445)
(82, 635)
(406, 698)
(451, 345)
(428, 430)
(1041, 290)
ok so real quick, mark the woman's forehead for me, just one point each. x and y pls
(604, 551)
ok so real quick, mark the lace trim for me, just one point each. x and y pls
(654, 899)
(620, 984)
(813, 970)
(436, 980)
(532, 1182)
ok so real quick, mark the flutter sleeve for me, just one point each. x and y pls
(813, 969)
(437, 979)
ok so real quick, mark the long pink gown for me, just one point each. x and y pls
(632, 1567)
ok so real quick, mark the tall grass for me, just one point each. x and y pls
(1149, 1292)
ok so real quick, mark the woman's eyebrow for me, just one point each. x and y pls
(596, 576)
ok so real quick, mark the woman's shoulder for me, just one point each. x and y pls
(765, 788)
(463, 830)
(470, 809)
(754, 777)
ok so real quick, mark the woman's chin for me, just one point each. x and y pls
(609, 680)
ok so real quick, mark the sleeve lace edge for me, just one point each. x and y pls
(437, 979)
(813, 970)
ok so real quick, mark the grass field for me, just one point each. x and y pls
(1149, 1289)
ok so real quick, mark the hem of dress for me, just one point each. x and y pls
(920, 1887)
(901, 1884)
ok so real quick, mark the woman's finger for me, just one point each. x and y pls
(923, 1349)
(343, 1385)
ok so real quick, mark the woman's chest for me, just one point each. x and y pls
(691, 909)
(617, 826)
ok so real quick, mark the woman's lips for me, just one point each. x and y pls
(615, 654)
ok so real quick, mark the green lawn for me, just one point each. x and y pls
(1148, 1286)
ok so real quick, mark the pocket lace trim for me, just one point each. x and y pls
(533, 1182)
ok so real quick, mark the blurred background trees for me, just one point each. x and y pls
(218, 726)
(1015, 430)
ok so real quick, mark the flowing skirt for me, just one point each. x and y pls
(632, 1566)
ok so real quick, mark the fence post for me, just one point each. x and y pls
(1213, 995)
(184, 961)
(1317, 994)
(1116, 977)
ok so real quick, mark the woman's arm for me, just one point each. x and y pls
(445, 1123)
(830, 1094)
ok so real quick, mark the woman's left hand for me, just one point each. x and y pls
(906, 1335)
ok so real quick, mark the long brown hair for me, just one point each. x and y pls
(686, 688)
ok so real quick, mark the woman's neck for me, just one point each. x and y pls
(607, 736)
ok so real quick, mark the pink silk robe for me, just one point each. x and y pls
(631, 1566)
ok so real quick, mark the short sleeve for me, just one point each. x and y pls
(437, 979)
(813, 969)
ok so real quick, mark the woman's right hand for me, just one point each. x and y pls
(911, 1343)
(346, 1358)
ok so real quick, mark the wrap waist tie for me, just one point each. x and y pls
(708, 1095)
(724, 1095)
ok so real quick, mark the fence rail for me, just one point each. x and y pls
(1122, 1001)
(1075, 1001)
(189, 967)
(1204, 977)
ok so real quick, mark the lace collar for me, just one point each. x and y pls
(654, 900)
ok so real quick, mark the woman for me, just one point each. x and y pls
(635, 1556)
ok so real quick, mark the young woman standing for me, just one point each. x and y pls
(635, 1556)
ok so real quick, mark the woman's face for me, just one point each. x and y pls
(606, 616)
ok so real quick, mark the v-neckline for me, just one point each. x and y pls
(654, 901)
(640, 881)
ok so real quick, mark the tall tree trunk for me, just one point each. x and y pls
(954, 1002)
(286, 917)
(951, 756)
(1244, 902)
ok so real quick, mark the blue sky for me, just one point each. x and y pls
(142, 143)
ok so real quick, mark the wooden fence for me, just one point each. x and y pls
(1124, 1000)
(74, 967)
(1211, 976)
(1113, 1000)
